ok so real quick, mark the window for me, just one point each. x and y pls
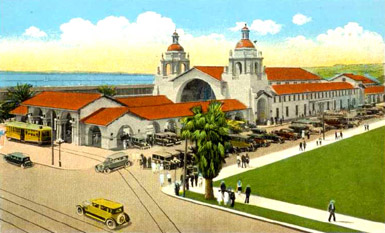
(287, 111)
(296, 110)
(328, 106)
(303, 96)
(280, 99)
(313, 106)
(340, 103)
(277, 113)
(284, 98)
(275, 99)
(294, 97)
(304, 109)
(289, 97)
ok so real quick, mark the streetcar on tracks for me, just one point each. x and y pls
(26, 132)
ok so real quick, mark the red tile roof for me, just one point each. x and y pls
(374, 90)
(141, 101)
(21, 110)
(361, 78)
(182, 109)
(62, 100)
(244, 43)
(310, 87)
(289, 74)
(105, 116)
(214, 71)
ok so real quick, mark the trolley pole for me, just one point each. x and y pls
(52, 126)
(184, 168)
(323, 121)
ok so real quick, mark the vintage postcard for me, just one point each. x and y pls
(192, 116)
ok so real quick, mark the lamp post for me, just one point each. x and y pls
(59, 141)
(184, 168)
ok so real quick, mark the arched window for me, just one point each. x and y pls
(168, 69)
(238, 68)
(183, 67)
(256, 67)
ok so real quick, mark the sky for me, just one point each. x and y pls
(130, 35)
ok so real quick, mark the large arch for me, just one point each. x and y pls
(238, 68)
(196, 90)
(66, 130)
(170, 126)
(124, 133)
(37, 116)
(262, 111)
(94, 136)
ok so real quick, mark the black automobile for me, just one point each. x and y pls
(19, 159)
(273, 138)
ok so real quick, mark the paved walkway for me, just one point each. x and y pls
(303, 211)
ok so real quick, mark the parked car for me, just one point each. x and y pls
(287, 134)
(169, 159)
(19, 159)
(163, 139)
(258, 131)
(259, 140)
(139, 141)
(113, 162)
(273, 138)
(110, 212)
(299, 128)
(173, 137)
(242, 143)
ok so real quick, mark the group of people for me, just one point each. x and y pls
(145, 162)
(338, 135)
(366, 126)
(193, 179)
(162, 178)
(227, 196)
(302, 146)
(319, 142)
(243, 161)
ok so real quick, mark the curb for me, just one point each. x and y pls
(58, 168)
(243, 213)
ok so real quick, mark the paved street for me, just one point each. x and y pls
(43, 199)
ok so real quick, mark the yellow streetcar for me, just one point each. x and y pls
(27, 132)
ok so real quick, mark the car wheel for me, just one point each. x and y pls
(107, 170)
(111, 224)
(121, 219)
(127, 164)
(97, 169)
(79, 210)
(127, 218)
(9, 139)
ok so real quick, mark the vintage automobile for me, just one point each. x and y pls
(259, 140)
(173, 137)
(168, 159)
(139, 141)
(242, 143)
(19, 159)
(113, 162)
(273, 138)
(109, 212)
(258, 131)
(163, 139)
(300, 129)
(287, 134)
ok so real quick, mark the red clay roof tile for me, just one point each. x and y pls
(62, 100)
(21, 110)
(175, 47)
(310, 87)
(214, 71)
(105, 116)
(361, 78)
(140, 101)
(375, 90)
(244, 43)
(289, 74)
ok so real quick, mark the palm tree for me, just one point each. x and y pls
(210, 131)
(14, 97)
(107, 90)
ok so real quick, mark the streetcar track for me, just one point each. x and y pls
(52, 209)
(6, 211)
(9, 223)
(58, 221)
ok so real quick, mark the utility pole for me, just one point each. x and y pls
(184, 168)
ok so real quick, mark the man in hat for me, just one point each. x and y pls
(332, 210)
(247, 192)
(223, 187)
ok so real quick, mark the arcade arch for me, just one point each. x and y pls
(196, 90)
(94, 136)
(262, 111)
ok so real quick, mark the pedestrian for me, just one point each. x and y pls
(219, 197)
(161, 179)
(168, 177)
(341, 135)
(157, 166)
(239, 187)
(243, 161)
(300, 146)
(186, 182)
(317, 142)
(247, 192)
(367, 127)
(192, 180)
(200, 183)
(336, 135)
(232, 198)
(303, 134)
(308, 135)
(238, 160)
(161, 168)
(320, 141)
(304, 145)
(144, 162)
(332, 210)
(177, 188)
(247, 158)
(196, 179)
(280, 121)
(124, 144)
(223, 187)
(226, 197)
(149, 163)
(141, 160)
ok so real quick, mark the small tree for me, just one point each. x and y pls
(107, 90)
(15, 96)
(210, 131)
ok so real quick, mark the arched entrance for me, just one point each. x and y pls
(66, 133)
(262, 111)
(95, 137)
(197, 90)
(37, 116)
(51, 117)
(124, 134)
(170, 126)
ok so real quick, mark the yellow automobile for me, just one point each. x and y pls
(109, 212)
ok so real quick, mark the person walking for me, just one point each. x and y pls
(320, 141)
(161, 167)
(232, 198)
(300, 146)
(219, 197)
(332, 210)
(247, 192)
(196, 178)
(226, 197)
(247, 158)
(223, 187)
(200, 183)
(192, 180)
(367, 127)
(341, 135)
(168, 177)
(186, 182)
(316, 142)
(149, 163)
(161, 179)
(335, 135)
(304, 145)
(239, 187)
(243, 161)
(153, 166)
(238, 160)
(144, 162)
(308, 135)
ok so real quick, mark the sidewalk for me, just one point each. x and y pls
(302, 211)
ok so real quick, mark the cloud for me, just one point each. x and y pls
(301, 19)
(264, 27)
(299, 41)
(238, 26)
(34, 32)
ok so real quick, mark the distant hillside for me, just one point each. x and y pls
(369, 70)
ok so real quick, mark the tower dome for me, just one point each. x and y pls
(175, 46)
(245, 41)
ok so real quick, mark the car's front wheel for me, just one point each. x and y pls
(79, 210)
(107, 170)
(127, 164)
(121, 219)
(111, 224)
